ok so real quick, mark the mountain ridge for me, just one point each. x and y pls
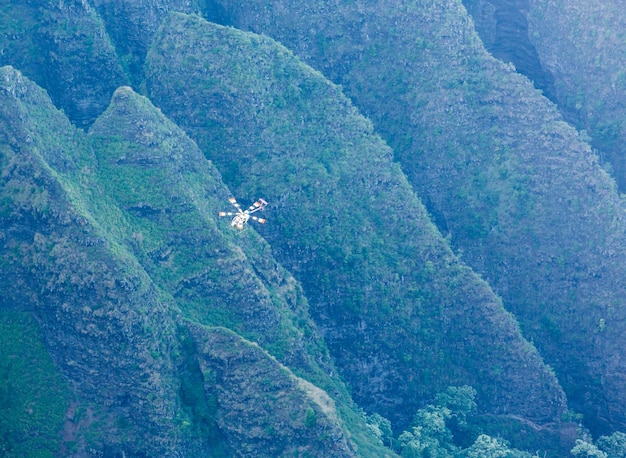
(494, 162)
(432, 221)
(144, 406)
(303, 186)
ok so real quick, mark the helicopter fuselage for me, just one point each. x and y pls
(240, 219)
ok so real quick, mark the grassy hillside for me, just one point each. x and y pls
(403, 318)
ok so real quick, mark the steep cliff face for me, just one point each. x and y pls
(402, 316)
(305, 419)
(503, 28)
(132, 25)
(517, 189)
(104, 322)
(582, 45)
(168, 332)
(113, 269)
(64, 48)
(169, 196)
(574, 53)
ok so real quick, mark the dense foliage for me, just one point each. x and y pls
(583, 46)
(399, 253)
(33, 394)
(519, 192)
(348, 225)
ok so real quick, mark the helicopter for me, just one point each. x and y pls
(242, 217)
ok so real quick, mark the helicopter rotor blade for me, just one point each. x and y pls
(233, 201)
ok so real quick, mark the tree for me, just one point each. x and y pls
(381, 427)
(584, 449)
(489, 447)
(429, 436)
(417, 443)
(440, 431)
(614, 445)
(461, 403)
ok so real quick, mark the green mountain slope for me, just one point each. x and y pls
(403, 318)
(105, 324)
(169, 196)
(515, 187)
(116, 323)
(582, 45)
(132, 25)
(63, 47)
(33, 394)
(161, 330)
(304, 419)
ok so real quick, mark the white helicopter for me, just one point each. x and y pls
(242, 217)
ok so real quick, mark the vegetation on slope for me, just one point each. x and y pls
(170, 196)
(94, 242)
(516, 188)
(105, 325)
(305, 421)
(403, 318)
(132, 25)
(63, 47)
(503, 29)
(111, 314)
(33, 395)
(582, 44)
